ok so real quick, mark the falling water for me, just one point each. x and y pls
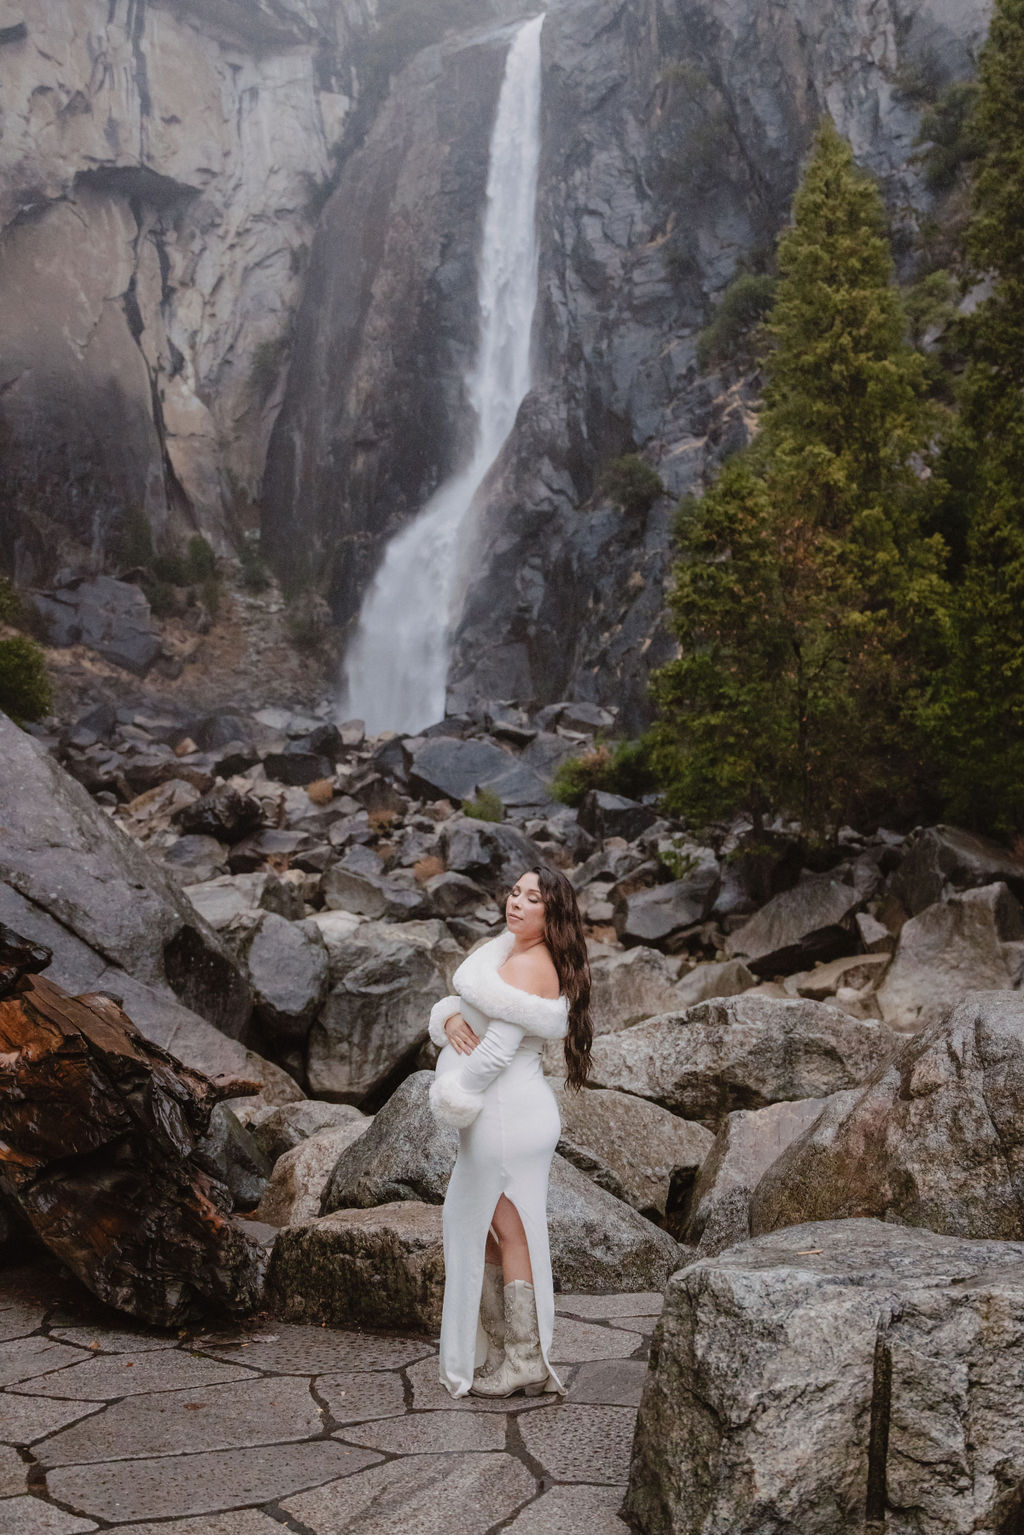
(397, 664)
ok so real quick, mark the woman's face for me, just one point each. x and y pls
(524, 909)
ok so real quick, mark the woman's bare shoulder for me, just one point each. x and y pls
(533, 971)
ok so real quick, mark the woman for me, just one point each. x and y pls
(515, 992)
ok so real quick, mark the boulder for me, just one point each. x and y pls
(631, 986)
(841, 1376)
(445, 765)
(278, 843)
(935, 1137)
(405, 1154)
(944, 859)
(718, 978)
(229, 1153)
(630, 1147)
(289, 971)
(358, 884)
(491, 853)
(296, 1188)
(759, 866)
(224, 813)
(657, 915)
(296, 766)
(611, 815)
(382, 1267)
(110, 617)
(740, 1053)
(453, 895)
(799, 928)
(967, 943)
(859, 973)
(222, 900)
(193, 860)
(279, 1129)
(375, 1017)
(747, 1144)
(91, 885)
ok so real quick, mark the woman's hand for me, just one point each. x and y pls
(460, 1035)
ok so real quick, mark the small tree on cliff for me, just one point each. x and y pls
(806, 597)
(978, 713)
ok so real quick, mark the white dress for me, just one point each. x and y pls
(507, 1117)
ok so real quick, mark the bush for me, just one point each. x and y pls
(624, 769)
(134, 542)
(11, 611)
(485, 806)
(255, 575)
(632, 484)
(951, 136)
(308, 622)
(24, 686)
(730, 336)
(202, 562)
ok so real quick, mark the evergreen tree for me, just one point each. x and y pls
(807, 599)
(977, 717)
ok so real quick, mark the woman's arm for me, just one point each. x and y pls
(457, 1097)
(439, 1015)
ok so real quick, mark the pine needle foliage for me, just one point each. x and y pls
(807, 600)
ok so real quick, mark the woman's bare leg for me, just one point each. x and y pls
(513, 1246)
(492, 1252)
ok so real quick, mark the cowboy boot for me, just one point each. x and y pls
(492, 1318)
(523, 1368)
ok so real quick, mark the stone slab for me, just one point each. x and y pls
(572, 1511)
(31, 1516)
(425, 1495)
(105, 1341)
(18, 1321)
(432, 1433)
(575, 1341)
(318, 1350)
(126, 1491)
(24, 1358)
(582, 1444)
(428, 1392)
(245, 1521)
(610, 1382)
(351, 1398)
(599, 1308)
(24, 1419)
(101, 1379)
(177, 1422)
(13, 1472)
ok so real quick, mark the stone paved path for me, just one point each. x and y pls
(106, 1426)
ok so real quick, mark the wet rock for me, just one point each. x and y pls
(658, 915)
(611, 815)
(967, 943)
(110, 617)
(747, 1144)
(630, 1147)
(89, 884)
(943, 859)
(288, 1125)
(224, 813)
(934, 1138)
(799, 928)
(828, 1377)
(725, 978)
(296, 1188)
(297, 767)
(229, 1153)
(375, 1018)
(381, 1267)
(741, 1053)
(406, 1154)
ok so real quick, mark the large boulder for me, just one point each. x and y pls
(289, 971)
(934, 1138)
(740, 1053)
(357, 883)
(717, 978)
(657, 915)
(634, 1149)
(445, 765)
(836, 1377)
(382, 1267)
(747, 1144)
(110, 617)
(278, 1129)
(224, 813)
(386, 979)
(629, 986)
(406, 1154)
(944, 859)
(489, 852)
(611, 815)
(295, 1191)
(798, 928)
(90, 886)
(967, 943)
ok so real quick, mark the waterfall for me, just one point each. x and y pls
(396, 668)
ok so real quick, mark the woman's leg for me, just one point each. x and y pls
(513, 1250)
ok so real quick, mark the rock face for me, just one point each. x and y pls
(634, 1149)
(933, 1139)
(836, 1376)
(70, 871)
(740, 1053)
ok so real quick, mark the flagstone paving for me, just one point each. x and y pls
(105, 1425)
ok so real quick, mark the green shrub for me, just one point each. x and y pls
(163, 598)
(255, 575)
(202, 562)
(170, 569)
(210, 592)
(624, 769)
(485, 806)
(134, 541)
(307, 621)
(11, 611)
(24, 686)
(952, 139)
(632, 484)
(730, 335)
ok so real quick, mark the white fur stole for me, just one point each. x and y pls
(477, 982)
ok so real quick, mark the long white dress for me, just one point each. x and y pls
(499, 1100)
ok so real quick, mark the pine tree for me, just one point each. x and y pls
(806, 599)
(977, 716)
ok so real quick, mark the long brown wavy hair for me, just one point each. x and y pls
(563, 934)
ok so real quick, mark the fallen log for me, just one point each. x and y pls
(98, 1127)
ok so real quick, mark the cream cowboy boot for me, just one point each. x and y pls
(492, 1318)
(523, 1368)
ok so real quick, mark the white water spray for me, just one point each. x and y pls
(396, 668)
